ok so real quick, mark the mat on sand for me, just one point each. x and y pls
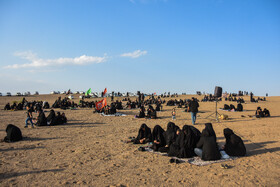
(195, 160)
(116, 114)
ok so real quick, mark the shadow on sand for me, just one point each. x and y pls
(15, 174)
(259, 148)
(21, 148)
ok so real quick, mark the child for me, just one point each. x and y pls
(29, 117)
(173, 114)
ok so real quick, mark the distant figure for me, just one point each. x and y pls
(259, 113)
(193, 108)
(29, 117)
(7, 106)
(13, 134)
(266, 112)
(173, 114)
(41, 119)
(239, 107)
(234, 144)
(141, 112)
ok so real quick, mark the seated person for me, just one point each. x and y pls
(151, 113)
(239, 107)
(58, 119)
(112, 109)
(144, 135)
(184, 145)
(7, 106)
(141, 112)
(259, 113)
(51, 117)
(64, 119)
(266, 112)
(170, 136)
(234, 145)
(13, 134)
(226, 107)
(232, 107)
(158, 138)
(41, 119)
(158, 107)
(207, 147)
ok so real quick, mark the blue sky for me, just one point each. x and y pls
(147, 45)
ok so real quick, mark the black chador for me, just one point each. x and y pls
(13, 134)
(158, 138)
(184, 145)
(207, 143)
(234, 144)
(144, 135)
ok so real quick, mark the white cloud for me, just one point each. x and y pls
(134, 54)
(36, 62)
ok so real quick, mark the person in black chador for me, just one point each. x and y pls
(141, 112)
(112, 109)
(207, 147)
(64, 118)
(234, 144)
(144, 135)
(184, 145)
(239, 107)
(13, 134)
(170, 133)
(151, 113)
(51, 117)
(41, 119)
(193, 108)
(170, 136)
(7, 106)
(266, 112)
(210, 129)
(158, 138)
(259, 113)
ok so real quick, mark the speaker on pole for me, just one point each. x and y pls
(218, 92)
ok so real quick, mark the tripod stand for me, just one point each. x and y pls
(216, 113)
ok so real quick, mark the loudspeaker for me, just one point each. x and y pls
(218, 91)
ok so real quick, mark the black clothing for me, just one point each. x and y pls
(184, 145)
(158, 136)
(170, 133)
(42, 120)
(210, 150)
(146, 133)
(234, 145)
(239, 107)
(266, 113)
(197, 134)
(226, 107)
(210, 129)
(13, 134)
(29, 113)
(193, 106)
(51, 117)
(7, 107)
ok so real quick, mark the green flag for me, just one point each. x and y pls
(88, 92)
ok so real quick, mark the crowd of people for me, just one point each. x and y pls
(189, 141)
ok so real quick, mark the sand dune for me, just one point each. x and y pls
(88, 151)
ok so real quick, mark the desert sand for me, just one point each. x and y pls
(88, 150)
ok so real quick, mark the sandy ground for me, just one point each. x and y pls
(88, 150)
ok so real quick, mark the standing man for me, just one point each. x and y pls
(193, 108)
(29, 117)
